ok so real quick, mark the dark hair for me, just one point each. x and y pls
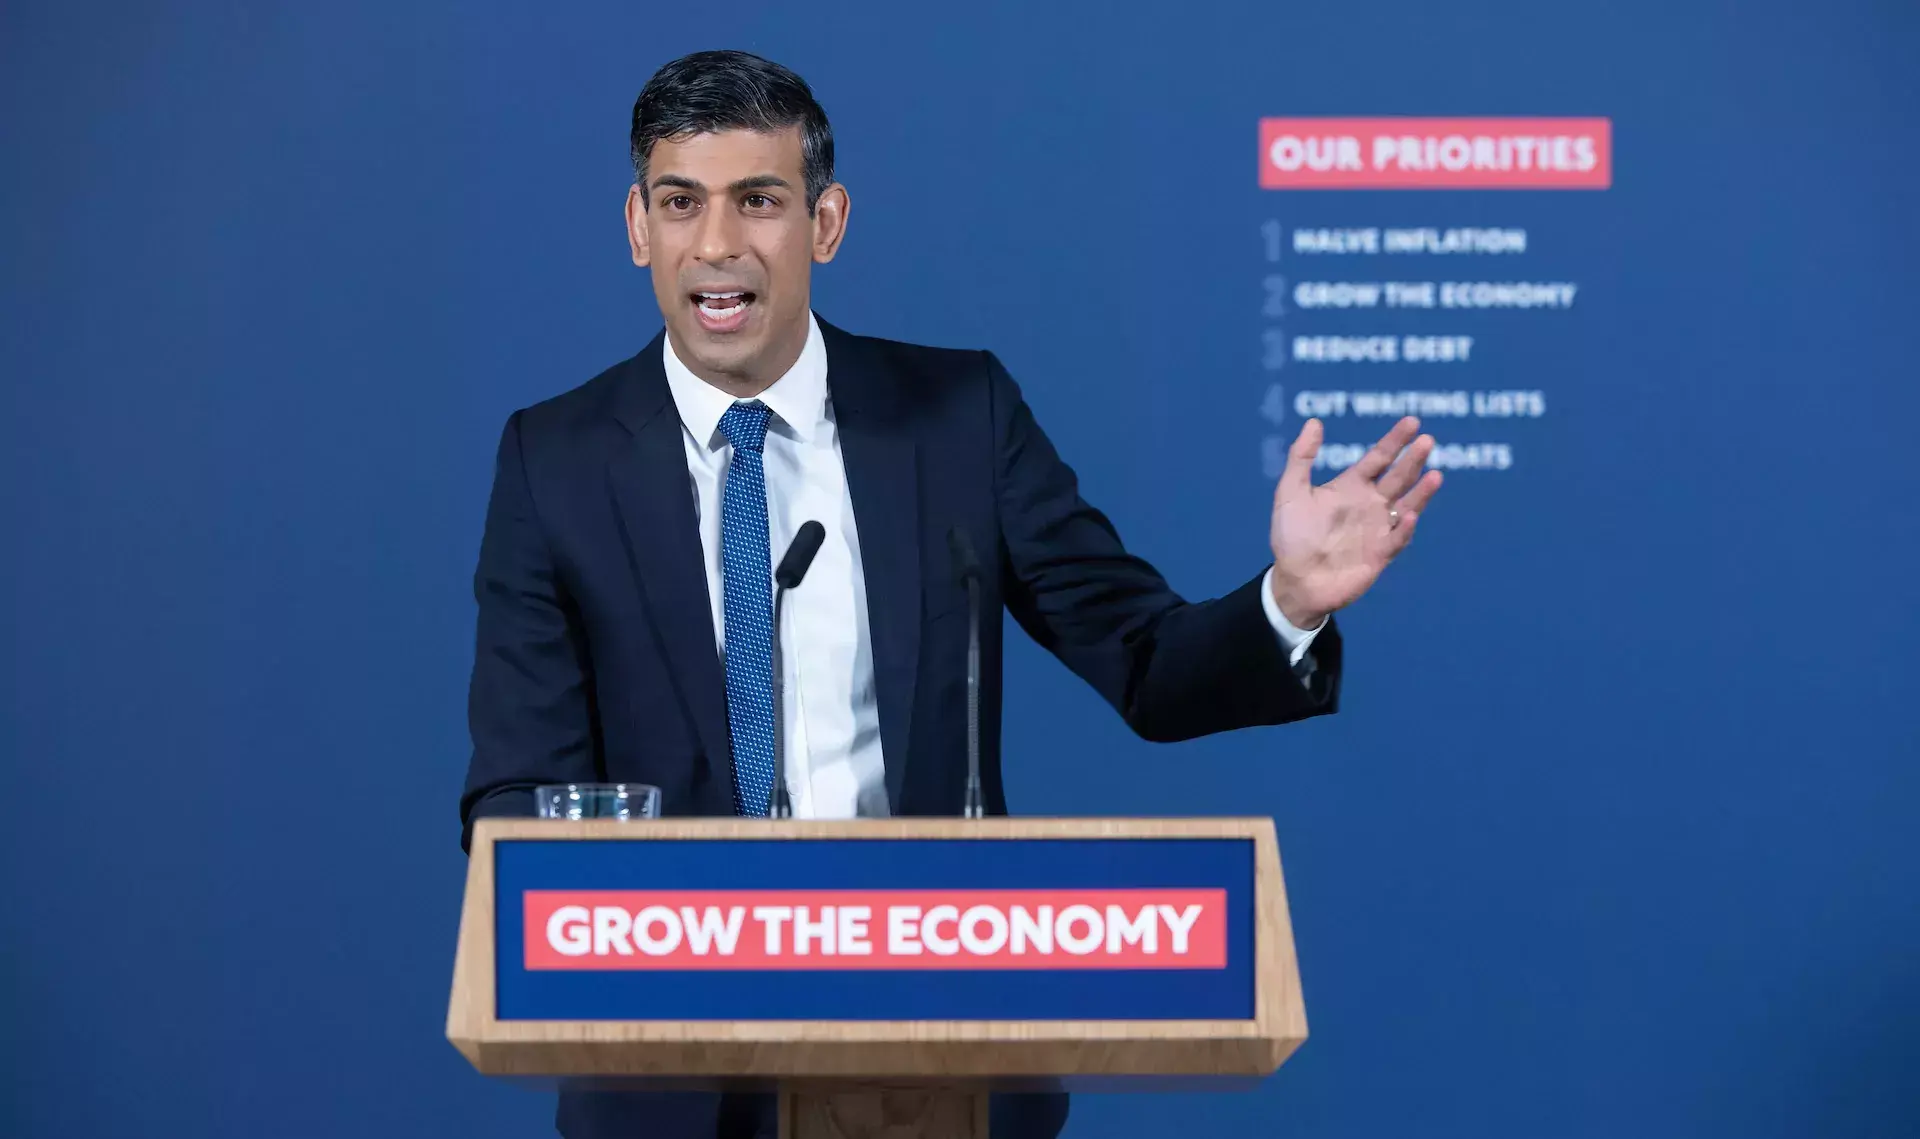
(730, 90)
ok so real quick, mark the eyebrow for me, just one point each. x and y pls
(757, 182)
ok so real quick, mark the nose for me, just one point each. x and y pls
(720, 237)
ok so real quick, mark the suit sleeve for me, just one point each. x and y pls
(1173, 669)
(529, 703)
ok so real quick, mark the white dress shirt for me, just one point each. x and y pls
(830, 721)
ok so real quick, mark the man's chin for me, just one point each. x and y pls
(729, 354)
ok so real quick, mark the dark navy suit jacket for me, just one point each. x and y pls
(595, 655)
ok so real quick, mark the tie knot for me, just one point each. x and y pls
(745, 425)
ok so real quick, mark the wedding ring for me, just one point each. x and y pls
(1393, 518)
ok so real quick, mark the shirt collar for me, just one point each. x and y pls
(797, 399)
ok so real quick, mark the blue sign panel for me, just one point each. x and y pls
(875, 929)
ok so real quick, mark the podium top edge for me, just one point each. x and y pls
(1026, 827)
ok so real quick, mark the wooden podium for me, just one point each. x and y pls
(884, 975)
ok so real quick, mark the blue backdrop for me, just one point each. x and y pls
(1613, 836)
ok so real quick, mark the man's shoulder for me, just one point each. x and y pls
(928, 358)
(584, 402)
(918, 373)
(584, 406)
(573, 433)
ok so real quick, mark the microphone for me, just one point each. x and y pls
(966, 566)
(793, 567)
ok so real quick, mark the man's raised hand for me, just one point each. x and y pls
(1331, 541)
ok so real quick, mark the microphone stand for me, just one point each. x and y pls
(975, 808)
(779, 803)
(966, 566)
(792, 569)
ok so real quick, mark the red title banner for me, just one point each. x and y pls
(875, 929)
(1436, 154)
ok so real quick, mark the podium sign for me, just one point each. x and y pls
(741, 950)
(875, 929)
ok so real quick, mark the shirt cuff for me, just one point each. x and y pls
(1292, 638)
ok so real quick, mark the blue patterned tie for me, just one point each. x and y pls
(747, 589)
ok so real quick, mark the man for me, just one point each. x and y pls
(625, 618)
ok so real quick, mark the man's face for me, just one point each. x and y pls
(727, 235)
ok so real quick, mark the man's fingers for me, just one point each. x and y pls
(1297, 478)
(1401, 534)
(1415, 500)
(1381, 454)
(1406, 469)
(1406, 513)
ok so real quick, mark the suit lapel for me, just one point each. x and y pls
(883, 478)
(654, 493)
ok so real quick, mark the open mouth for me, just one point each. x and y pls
(722, 311)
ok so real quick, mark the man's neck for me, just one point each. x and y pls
(759, 376)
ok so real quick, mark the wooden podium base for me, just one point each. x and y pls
(874, 1109)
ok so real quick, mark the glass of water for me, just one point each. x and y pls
(621, 801)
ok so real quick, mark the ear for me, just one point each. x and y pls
(829, 222)
(637, 227)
